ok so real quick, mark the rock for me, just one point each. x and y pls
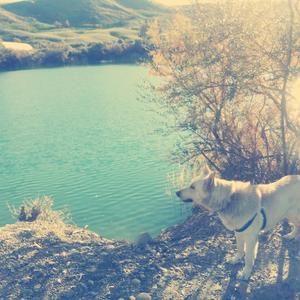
(143, 296)
(37, 287)
(143, 240)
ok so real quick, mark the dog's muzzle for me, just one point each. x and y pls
(178, 194)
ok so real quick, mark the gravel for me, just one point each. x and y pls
(41, 260)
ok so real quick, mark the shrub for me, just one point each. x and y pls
(38, 209)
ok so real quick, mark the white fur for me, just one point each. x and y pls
(237, 202)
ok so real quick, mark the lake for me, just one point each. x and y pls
(81, 135)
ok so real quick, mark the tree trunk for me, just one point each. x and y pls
(283, 111)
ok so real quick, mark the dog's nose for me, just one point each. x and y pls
(178, 194)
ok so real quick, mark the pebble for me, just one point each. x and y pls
(27, 292)
(37, 287)
(91, 269)
(143, 296)
(136, 282)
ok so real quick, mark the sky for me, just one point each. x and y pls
(173, 2)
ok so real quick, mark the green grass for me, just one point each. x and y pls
(79, 13)
(70, 36)
(30, 31)
(110, 21)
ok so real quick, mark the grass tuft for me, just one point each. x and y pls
(38, 209)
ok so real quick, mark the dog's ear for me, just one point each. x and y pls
(206, 170)
(209, 183)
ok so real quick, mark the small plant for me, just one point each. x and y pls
(38, 209)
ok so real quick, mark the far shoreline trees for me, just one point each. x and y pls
(60, 54)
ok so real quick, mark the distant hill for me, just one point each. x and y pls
(139, 4)
(9, 19)
(85, 13)
(18, 28)
(72, 32)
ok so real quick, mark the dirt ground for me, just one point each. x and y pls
(44, 260)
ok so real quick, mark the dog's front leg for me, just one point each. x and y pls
(240, 243)
(251, 245)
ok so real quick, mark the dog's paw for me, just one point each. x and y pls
(234, 259)
(244, 274)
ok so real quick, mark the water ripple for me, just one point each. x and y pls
(98, 155)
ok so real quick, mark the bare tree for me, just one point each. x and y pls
(227, 72)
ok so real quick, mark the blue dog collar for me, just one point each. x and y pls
(249, 223)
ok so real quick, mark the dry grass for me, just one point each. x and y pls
(40, 209)
(17, 46)
(86, 35)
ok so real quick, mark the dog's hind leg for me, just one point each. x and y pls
(240, 243)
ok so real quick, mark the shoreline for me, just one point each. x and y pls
(95, 54)
(54, 260)
(104, 63)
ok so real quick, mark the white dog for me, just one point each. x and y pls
(247, 209)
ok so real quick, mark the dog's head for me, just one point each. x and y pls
(200, 190)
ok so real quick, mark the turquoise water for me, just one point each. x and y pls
(82, 136)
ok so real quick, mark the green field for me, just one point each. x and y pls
(73, 32)
(85, 21)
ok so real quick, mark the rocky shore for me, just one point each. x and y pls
(54, 260)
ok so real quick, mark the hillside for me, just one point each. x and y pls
(85, 13)
(68, 32)
(17, 27)
(52, 24)
(140, 5)
(11, 21)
